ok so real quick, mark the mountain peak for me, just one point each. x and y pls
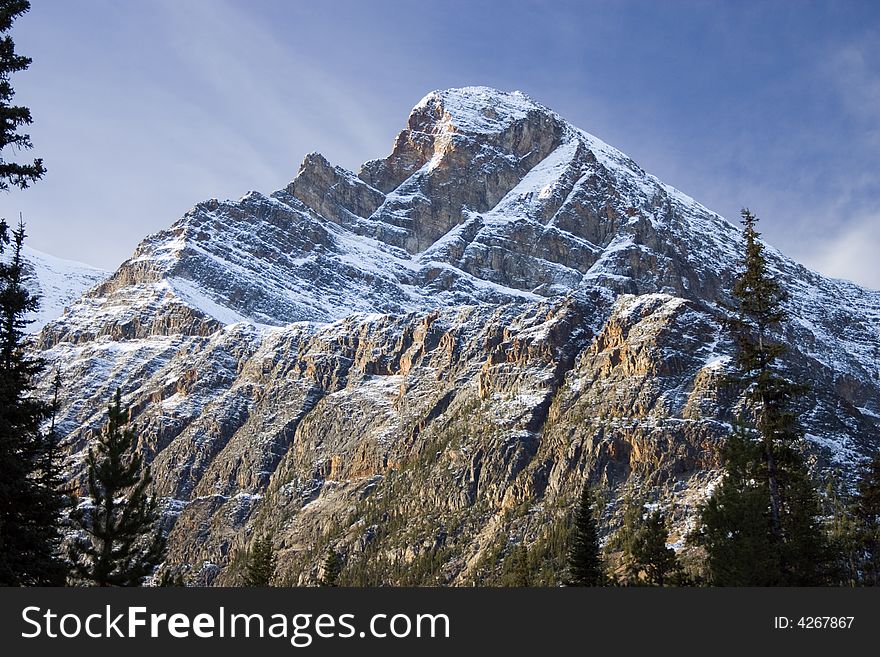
(477, 109)
(503, 291)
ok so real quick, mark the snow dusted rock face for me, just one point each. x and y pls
(460, 153)
(457, 335)
(57, 283)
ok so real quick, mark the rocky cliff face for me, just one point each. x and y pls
(417, 365)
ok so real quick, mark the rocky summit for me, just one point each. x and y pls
(421, 361)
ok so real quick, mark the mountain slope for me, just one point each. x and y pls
(501, 306)
(57, 283)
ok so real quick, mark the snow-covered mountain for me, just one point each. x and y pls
(500, 305)
(57, 283)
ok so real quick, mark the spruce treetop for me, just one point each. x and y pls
(14, 117)
(261, 563)
(585, 566)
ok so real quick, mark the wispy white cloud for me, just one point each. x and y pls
(265, 90)
(854, 72)
(848, 241)
(851, 253)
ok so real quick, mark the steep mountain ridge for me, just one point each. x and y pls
(501, 306)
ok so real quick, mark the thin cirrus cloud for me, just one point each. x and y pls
(853, 254)
(247, 74)
(855, 72)
(143, 109)
(168, 104)
(848, 249)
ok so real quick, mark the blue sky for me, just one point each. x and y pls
(143, 109)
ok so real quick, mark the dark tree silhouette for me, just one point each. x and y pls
(584, 560)
(14, 117)
(261, 562)
(119, 542)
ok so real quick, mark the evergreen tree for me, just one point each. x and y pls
(842, 533)
(261, 562)
(649, 551)
(57, 500)
(866, 512)
(331, 568)
(14, 117)
(550, 553)
(734, 523)
(626, 570)
(760, 299)
(771, 483)
(30, 500)
(806, 557)
(120, 543)
(584, 560)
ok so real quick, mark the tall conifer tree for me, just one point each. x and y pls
(29, 509)
(866, 511)
(331, 569)
(760, 297)
(30, 501)
(626, 569)
(584, 560)
(261, 562)
(119, 542)
(650, 552)
(767, 502)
